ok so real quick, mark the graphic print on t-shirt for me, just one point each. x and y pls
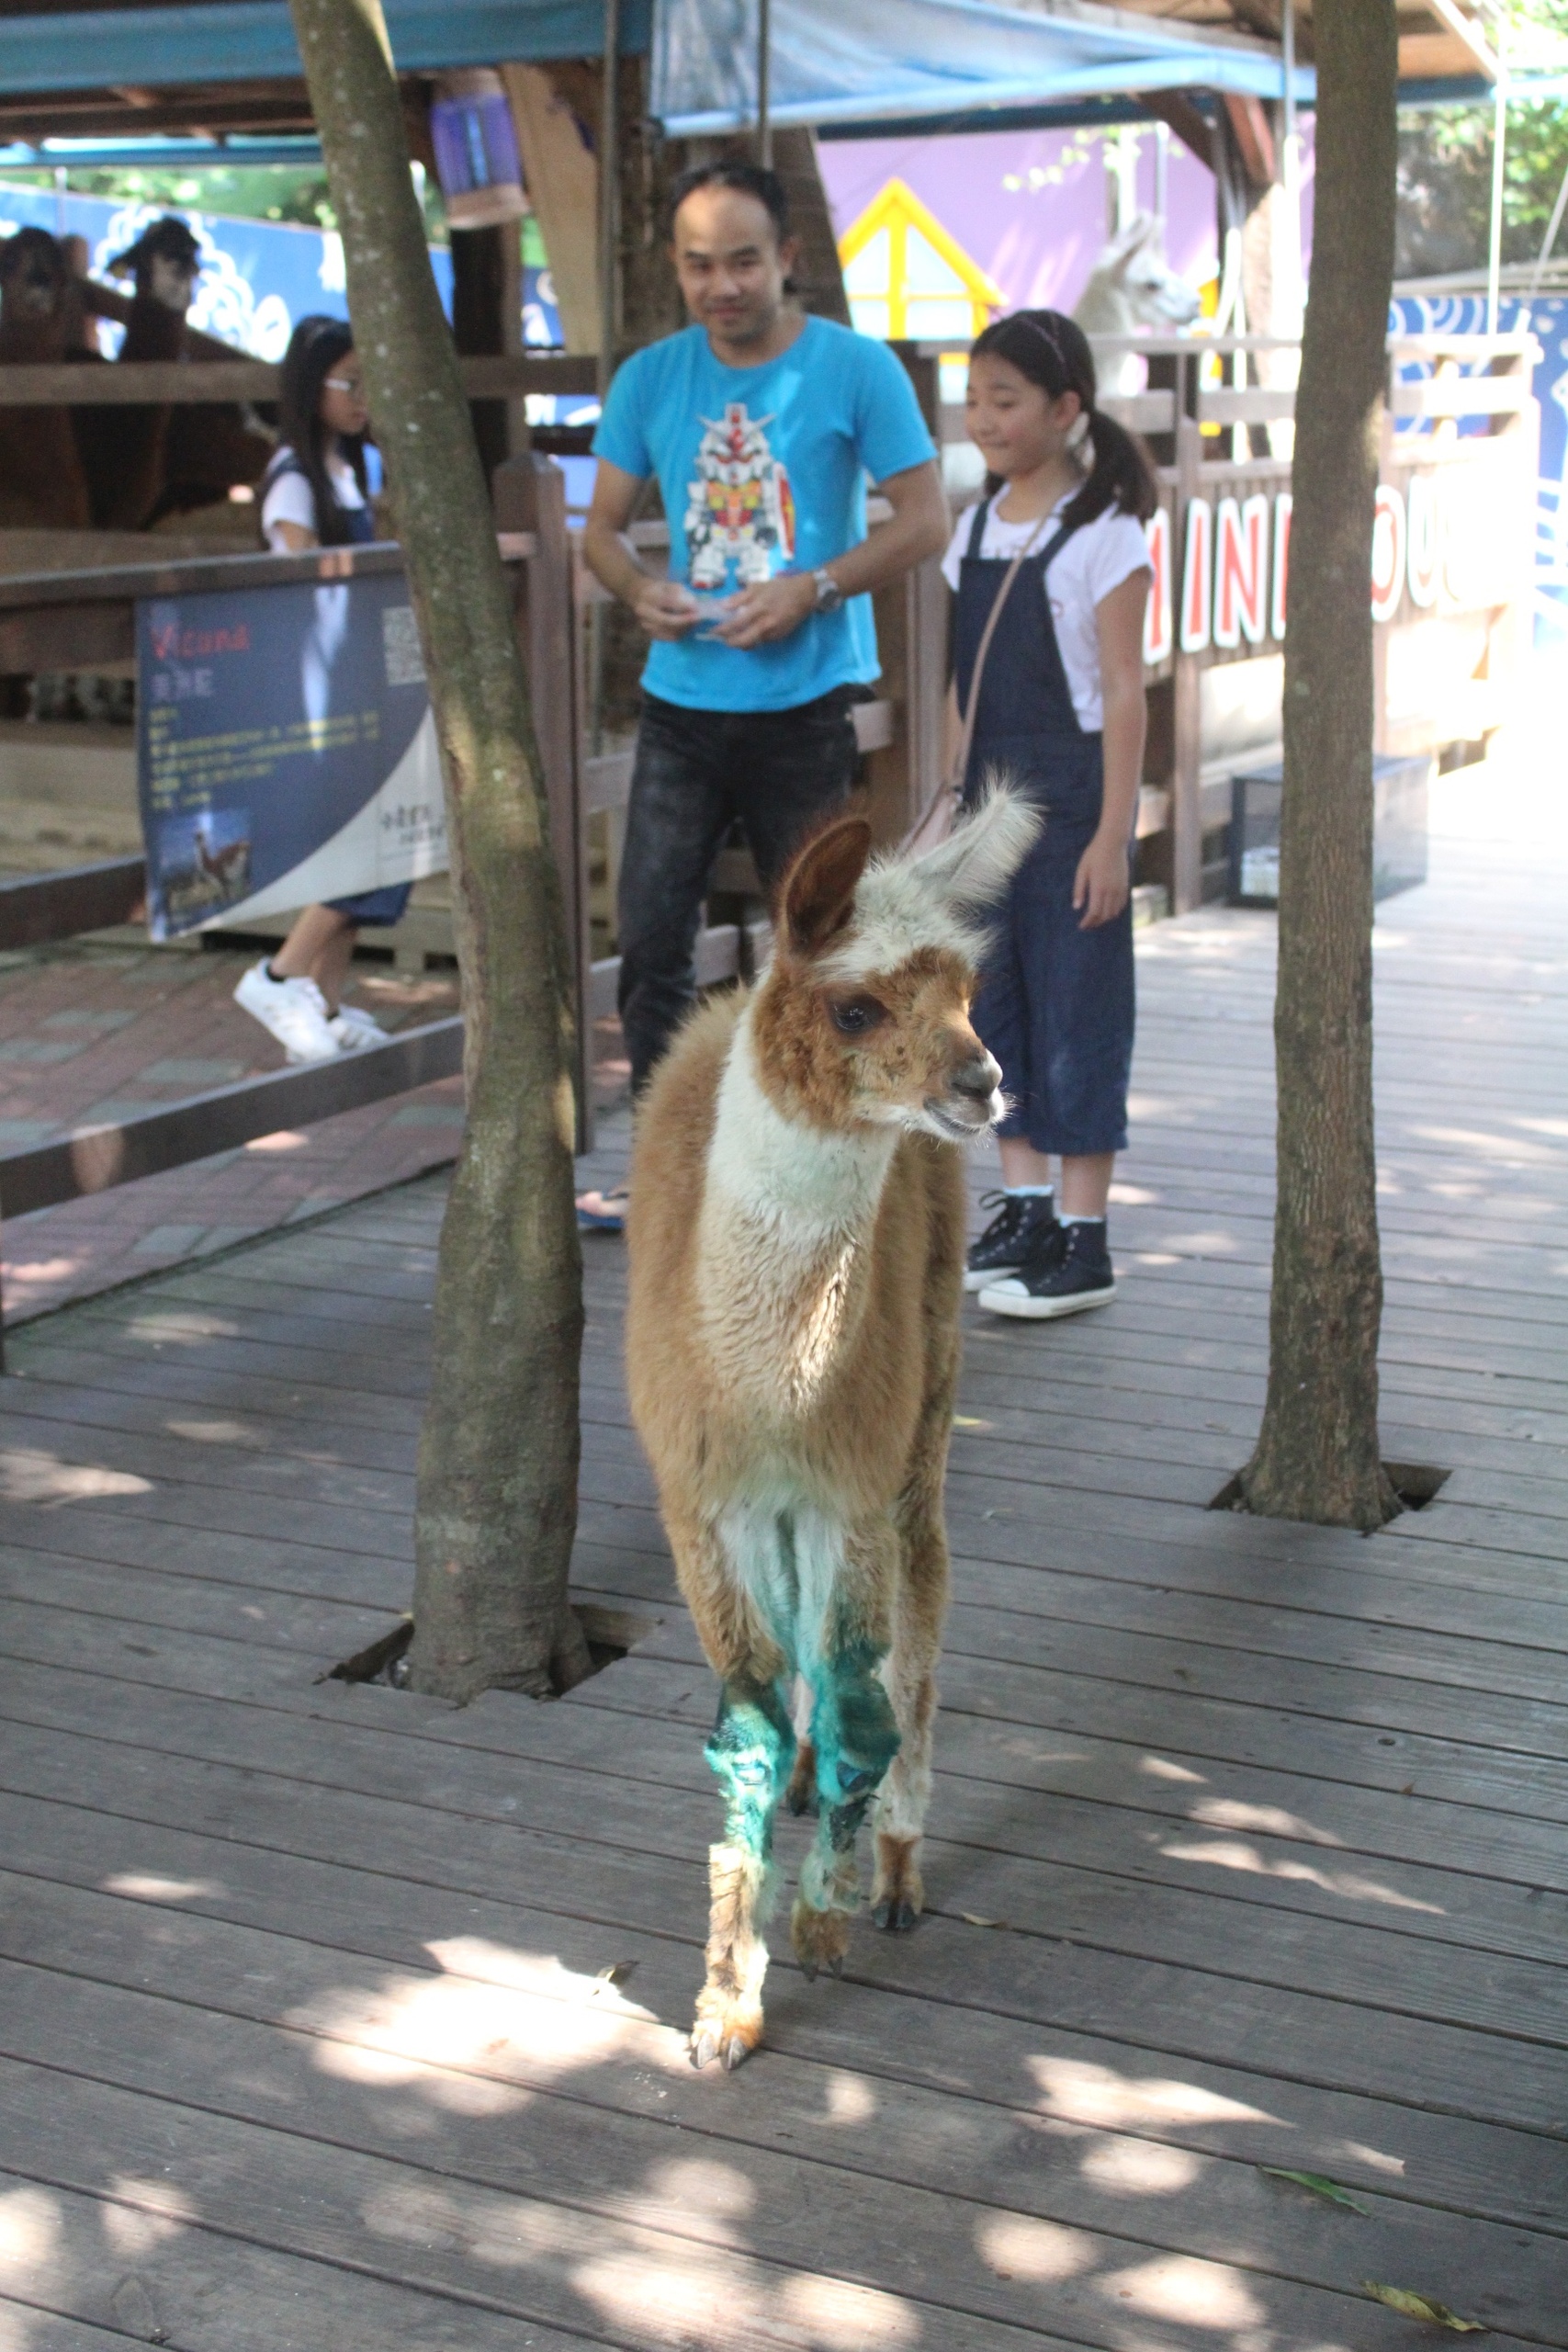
(739, 510)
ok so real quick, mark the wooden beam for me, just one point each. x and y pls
(1450, 13)
(1253, 137)
(94, 1159)
(561, 176)
(1176, 112)
(136, 383)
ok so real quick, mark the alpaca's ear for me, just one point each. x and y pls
(983, 851)
(818, 895)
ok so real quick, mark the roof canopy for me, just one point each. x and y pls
(900, 57)
(66, 49)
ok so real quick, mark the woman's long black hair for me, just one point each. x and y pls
(315, 348)
(1054, 352)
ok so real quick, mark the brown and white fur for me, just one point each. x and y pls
(796, 1243)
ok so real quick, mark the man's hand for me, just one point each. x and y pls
(1102, 881)
(666, 609)
(770, 610)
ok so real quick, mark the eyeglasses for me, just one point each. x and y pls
(345, 384)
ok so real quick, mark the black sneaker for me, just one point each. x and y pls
(1069, 1271)
(1021, 1224)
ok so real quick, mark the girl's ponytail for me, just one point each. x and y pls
(1120, 475)
(1053, 351)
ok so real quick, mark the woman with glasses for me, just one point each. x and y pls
(313, 495)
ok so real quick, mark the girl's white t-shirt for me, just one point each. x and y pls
(291, 500)
(1096, 559)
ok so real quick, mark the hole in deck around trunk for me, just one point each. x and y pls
(1415, 1483)
(610, 1635)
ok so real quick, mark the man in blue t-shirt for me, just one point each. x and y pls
(761, 425)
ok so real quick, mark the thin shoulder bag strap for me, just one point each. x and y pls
(953, 781)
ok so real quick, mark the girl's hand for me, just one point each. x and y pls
(1101, 885)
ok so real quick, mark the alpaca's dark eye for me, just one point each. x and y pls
(855, 1015)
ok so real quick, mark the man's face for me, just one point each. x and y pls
(730, 262)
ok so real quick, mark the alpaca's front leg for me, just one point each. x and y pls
(750, 1749)
(855, 1739)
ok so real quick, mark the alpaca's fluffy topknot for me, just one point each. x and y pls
(943, 898)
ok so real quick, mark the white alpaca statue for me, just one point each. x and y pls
(1133, 289)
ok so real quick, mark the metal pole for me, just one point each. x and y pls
(764, 83)
(1288, 42)
(1499, 137)
(609, 181)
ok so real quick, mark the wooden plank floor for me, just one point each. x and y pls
(333, 2017)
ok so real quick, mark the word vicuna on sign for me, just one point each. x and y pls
(1429, 542)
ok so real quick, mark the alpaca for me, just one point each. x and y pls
(797, 1250)
(148, 462)
(42, 483)
(1131, 290)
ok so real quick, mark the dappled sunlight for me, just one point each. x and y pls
(32, 1474)
(495, 2011)
(1233, 1856)
(1272, 1820)
(1160, 1768)
(1075, 2092)
(646, 2288)
(282, 1139)
(1134, 1196)
(216, 1433)
(1211, 1243)
(1375, 2157)
(188, 1328)
(145, 1886)
(1140, 2167)
(1507, 1149)
(1193, 2293)
(30, 2231)
(850, 2098)
(144, 2215)
(39, 1270)
(1021, 2247)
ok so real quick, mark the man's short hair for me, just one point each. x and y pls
(747, 179)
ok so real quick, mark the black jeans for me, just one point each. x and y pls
(695, 772)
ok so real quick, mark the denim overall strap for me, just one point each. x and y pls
(1025, 721)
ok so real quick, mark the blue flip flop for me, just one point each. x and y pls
(603, 1212)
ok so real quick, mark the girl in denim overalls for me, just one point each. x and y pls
(1061, 712)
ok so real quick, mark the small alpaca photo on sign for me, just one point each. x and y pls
(797, 1257)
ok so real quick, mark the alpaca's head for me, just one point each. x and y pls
(864, 1017)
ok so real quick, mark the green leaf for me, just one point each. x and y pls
(1318, 2184)
(1400, 2298)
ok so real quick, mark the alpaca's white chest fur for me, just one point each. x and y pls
(788, 1217)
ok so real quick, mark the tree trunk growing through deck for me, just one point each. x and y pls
(498, 1458)
(1318, 1453)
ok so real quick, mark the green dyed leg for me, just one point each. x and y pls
(856, 1739)
(750, 1749)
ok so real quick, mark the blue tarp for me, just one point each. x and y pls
(253, 40)
(835, 63)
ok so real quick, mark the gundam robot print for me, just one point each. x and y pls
(739, 510)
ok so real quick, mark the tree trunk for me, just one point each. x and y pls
(1317, 1451)
(498, 1457)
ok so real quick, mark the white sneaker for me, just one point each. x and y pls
(352, 1028)
(294, 1010)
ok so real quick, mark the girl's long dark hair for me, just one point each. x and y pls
(315, 348)
(1054, 352)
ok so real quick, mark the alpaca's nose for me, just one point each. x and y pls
(979, 1077)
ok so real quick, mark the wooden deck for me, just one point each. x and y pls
(332, 2019)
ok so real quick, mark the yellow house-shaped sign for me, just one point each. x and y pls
(907, 277)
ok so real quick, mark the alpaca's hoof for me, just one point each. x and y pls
(730, 2039)
(821, 1939)
(894, 1914)
(898, 1896)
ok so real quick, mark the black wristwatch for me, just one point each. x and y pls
(830, 595)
